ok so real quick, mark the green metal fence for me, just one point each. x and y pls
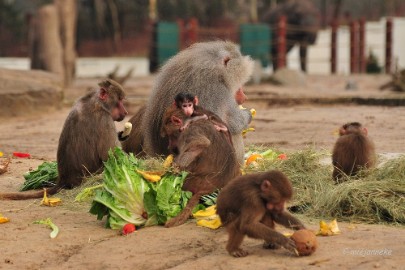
(255, 40)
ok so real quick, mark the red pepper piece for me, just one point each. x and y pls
(128, 228)
(21, 155)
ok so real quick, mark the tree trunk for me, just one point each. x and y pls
(45, 44)
(67, 10)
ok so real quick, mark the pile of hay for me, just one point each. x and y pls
(374, 197)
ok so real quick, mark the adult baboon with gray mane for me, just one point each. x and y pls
(214, 71)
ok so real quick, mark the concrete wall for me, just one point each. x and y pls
(89, 66)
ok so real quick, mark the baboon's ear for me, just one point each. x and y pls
(103, 95)
(176, 121)
(265, 186)
(225, 60)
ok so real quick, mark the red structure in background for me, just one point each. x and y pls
(388, 46)
(333, 47)
(362, 45)
(358, 46)
(281, 42)
(188, 32)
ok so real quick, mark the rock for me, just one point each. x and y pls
(24, 92)
(289, 77)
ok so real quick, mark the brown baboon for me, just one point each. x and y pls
(213, 71)
(87, 135)
(353, 151)
(251, 204)
(205, 153)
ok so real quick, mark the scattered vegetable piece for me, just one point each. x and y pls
(168, 161)
(253, 158)
(50, 224)
(1, 154)
(246, 131)
(328, 229)
(127, 129)
(50, 201)
(151, 176)
(44, 176)
(208, 218)
(21, 155)
(128, 228)
(209, 211)
(282, 156)
(4, 166)
(253, 112)
(214, 223)
(87, 193)
(3, 219)
(269, 154)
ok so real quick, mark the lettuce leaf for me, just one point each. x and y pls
(126, 196)
(123, 188)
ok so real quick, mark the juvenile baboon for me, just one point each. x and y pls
(213, 71)
(87, 135)
(353, 151)
(205, 153)
(251, 204)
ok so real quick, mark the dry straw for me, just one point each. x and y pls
(376, 196)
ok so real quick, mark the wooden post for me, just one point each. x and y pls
(388, 45)
(333, 48)
(354, 53)
(46, 51)
(281, 42)
(362, 45)
(67, 17)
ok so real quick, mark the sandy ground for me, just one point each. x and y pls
(83, 242)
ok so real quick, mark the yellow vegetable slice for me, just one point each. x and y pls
(3, 219)
(253, 112)
(212, 223)
(149, 176)
(209, 211)
(50, 201)
(328, 229)
(247, 130)
(168, 161)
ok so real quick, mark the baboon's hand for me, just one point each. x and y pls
(289, 244)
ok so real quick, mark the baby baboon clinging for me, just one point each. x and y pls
(353, 151)
(251, 204)
(204, 152)
(87, 135)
